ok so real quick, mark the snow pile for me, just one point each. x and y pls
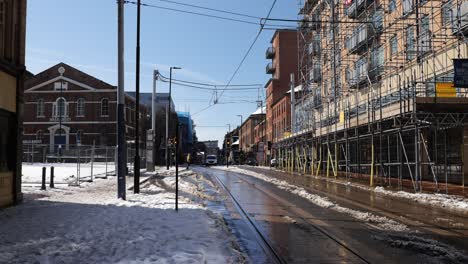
(379, 222)
(426, 246)
(440, 200)
(63, 172)
(88, 224)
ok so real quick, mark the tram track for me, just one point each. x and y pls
(298, 213)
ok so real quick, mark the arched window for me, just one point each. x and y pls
(39, 135)
(60, 107)
(80, 107)
(40, 108)
(105, 107)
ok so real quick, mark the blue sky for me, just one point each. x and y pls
(84, 34)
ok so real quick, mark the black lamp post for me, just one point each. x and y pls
(169, 115)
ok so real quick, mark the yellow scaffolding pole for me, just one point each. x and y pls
(372, 167)
(320, 161)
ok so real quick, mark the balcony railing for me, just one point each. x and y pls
(270, 53)
(361, 36)
(314, 48)
(460, 21)
(270, 68)
(357, 7)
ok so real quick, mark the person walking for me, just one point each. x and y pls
(189, 159)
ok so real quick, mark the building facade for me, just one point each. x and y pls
(379, 94)
(12, 77)
(247, 133)
(65, 107)
(283, 56)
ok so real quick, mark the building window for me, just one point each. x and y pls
(7, 26)
(447, 14)
(391, 6)
(39, 135)
(40, 108)
(407, 7)
(60, 108)
(105, 107)
(410, 43)
(393, 46)
(80, 107)
(58, 86)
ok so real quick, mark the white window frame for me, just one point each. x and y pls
(102, 107)
(55, 108)
(80, 107)
(40, 110)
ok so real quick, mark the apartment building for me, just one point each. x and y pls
(379, 97)
(283, 56)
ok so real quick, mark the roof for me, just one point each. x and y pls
(260, 111)
(281, 30)
(296, 89)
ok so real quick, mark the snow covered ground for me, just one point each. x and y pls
(88, 224)
(63, 172)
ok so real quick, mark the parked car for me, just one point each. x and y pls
(251, 162)
(273, 163)
(211, 160)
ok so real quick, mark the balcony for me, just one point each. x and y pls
(360, 38)
(460, 21)
(315, 75)
(270, 68)
(314, 48)
(311, 22)
(270, 53)
(357, 7)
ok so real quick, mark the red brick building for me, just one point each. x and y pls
(283, 55)
(247, 133)
(64, 106)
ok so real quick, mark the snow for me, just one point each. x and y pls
(63, 172)
(88, 224)
(440, 200)
(452, 202)
(379, 222)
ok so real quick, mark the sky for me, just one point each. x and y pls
(83, 34)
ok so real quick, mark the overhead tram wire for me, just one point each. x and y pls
(210, 9)
(248, 52)
(210, 84)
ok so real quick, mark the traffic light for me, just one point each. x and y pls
(228, 142)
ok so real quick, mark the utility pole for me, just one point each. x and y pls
(177, 167)
(136, 164)
(240, 139)
(153, 114)
(260, 103)
(121, 163)
(293, 104)
(228, 145)
(168, 114)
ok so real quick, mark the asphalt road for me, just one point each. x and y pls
(302, 232)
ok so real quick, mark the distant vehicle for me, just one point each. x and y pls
(273, 163)
(211, 160)
(251, 162)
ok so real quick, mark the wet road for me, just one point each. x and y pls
(302, 232)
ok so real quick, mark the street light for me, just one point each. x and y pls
(168, 114)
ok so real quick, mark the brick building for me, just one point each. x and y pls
(64, 106)
(247, 134)
(12, 76)
(283, 55)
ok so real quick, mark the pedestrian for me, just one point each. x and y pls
(188, 160)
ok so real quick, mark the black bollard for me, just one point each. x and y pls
(43, 187)
(51, 177)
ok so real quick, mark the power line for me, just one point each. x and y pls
(210, 84)
(210, 9)
(194, 13)
(247, 53)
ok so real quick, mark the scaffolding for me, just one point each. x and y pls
(378, 103)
